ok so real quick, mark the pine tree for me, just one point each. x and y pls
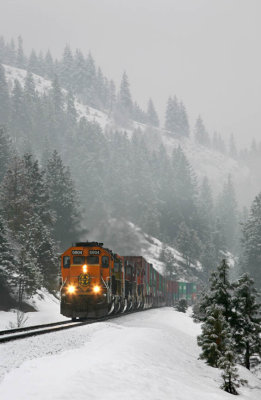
(215, 338)
(138, 114)
(27, 277)
(63, 201)
(125, 101)
(182, 305)
(43, 250)
(201, 134)
(227, 212)
(219, 292)
(4, 98)
(20, 59)
(90, 83)
(172, 116)
(188, 243)
(252, 242)
(232, 147)
(184, 124)
(230, 376)
(33, 63)
(5, 152)
(152, 116)
(7, 255)
(18, 123)
(49, 66)
(80, 75)
(247, 321)
(67, 68)
(185, 186)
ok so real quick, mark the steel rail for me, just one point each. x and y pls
(26, 332)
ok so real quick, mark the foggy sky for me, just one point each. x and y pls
(207, 52)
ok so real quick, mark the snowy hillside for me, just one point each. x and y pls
(126, 238)
(150, 355)
(204, 161)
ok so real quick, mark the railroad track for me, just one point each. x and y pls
(29, 331)
(22, 333)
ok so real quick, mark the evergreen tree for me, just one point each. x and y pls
(5, 152)
(184, 124)
(201, 134)
(80, 75)
(182, 305)
(247, 320)
(232, 147)
(27, 276)
(252, 242)
(230, 376)
(63, 201)
(125, 101)
(7, 255)
(20, 58)
(112, 97)
(90, 85)
(227, 212)
(18, 122)
(67, 68)
(152, 116)
(188, 243)
(215, 338)
(172, 116)
(185, 186)
(33, 63)
(43, 250)
(4, 98)
(49, 66)
(220, 292)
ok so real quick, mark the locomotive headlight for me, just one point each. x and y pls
(71, 289)
(96, 289)
(84, 268)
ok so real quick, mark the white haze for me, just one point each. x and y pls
(206, 52)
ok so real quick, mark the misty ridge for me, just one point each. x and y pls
(81, 159)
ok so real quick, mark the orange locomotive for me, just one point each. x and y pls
(97, 282)
(92, 279)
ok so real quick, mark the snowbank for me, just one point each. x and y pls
(150, 355)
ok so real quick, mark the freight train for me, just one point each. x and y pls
(96, 282)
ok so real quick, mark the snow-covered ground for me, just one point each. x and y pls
(150, 355)
(48, 310)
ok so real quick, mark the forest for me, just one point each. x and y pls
(62, 175)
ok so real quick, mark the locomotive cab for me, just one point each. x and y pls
(86, 280)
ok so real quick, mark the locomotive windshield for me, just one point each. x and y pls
(78, 260)
(92, 260)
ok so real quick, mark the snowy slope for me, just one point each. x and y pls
(205, 162)
(146, 356)
(47, 311)
(127, 239)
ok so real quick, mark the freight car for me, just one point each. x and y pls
(96, 282)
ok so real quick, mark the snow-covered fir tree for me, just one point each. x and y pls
(7, 255)
(63, 201)
(152, 116)
(219, 292)
(230, 376)
(227, 211)
(215, 338)
(246, 321)
(4, 98)
(201, 134)
(252, 243)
